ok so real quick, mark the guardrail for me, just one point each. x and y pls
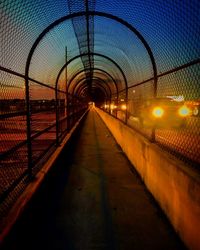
(179, 134)
(23, 151)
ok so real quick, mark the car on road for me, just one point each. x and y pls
(162, 113)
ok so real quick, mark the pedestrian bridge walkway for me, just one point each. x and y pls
(93, 199)
(137, 63)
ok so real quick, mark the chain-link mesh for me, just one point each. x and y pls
(154, 63)
(50, 54)
(124, 47)
(21, 23)
(185, 140)
(42, 119)
(122, 106)
(13, 147)
(136, 97)
(84, 30)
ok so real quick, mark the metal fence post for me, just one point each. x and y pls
(57, 115)
(66, 96)
(126, 111)
(28, 128)
(153, 133)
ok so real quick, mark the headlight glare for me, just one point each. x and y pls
(123, 106)
(158, 112)
(184, 111)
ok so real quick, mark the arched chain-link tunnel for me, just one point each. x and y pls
(139, 61)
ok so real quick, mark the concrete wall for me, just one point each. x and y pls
(175, 187)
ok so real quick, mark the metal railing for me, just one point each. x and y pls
(24, 151)
(108, 48)
(182, 138)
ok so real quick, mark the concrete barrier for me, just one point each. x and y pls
(175, 186)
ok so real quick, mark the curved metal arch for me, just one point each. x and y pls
(95, 69)
(85, 87)
(57, 22)
(97, 86)
(94, 54)
(94, 78)
(101, 55)
(91, 13)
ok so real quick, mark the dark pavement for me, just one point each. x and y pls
(92, 199)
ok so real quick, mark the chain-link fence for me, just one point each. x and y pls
(172, 118)
(23, 151)
(139, 60)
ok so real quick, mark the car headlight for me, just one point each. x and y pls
(184, 111)
(158, 112)
(123, 106)
(112, 106)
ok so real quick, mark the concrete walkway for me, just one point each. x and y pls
(92, 199)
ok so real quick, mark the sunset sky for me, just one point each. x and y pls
(169, 27)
